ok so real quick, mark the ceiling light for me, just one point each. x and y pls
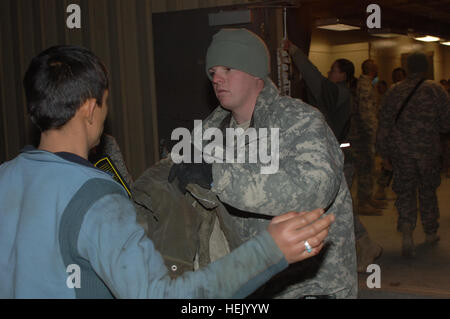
(446, 43)
(385, 35)
(428, 38)
(334, 24)
(338, 27)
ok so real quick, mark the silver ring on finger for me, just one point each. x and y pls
(308, 247)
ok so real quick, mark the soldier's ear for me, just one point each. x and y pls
(88, 110)
(260, 83)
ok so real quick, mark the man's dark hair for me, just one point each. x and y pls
(396, 71)
(417, 63)
(367, 66)
(348, 68)
(399, 69)
(59, 80)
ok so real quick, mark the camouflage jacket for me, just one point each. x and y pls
(416, 132)
(310, 175)
(367, 101)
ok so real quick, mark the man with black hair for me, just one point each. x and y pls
(60, 214)
(415, 110)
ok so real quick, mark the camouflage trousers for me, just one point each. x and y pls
(364, 154)
(385, 177)
(349, 171)
(412, 176)
(445, 140)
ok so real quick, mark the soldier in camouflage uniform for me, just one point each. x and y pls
(310, 173)
(410, 138)
(398, 74)
(366, 122)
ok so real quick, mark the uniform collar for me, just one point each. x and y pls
(71, 157)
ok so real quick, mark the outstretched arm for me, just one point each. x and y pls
(128, 263)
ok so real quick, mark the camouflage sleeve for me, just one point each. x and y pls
(384, 126)
(310, 73)
(367, 108)
(308, 177)
(443, 103)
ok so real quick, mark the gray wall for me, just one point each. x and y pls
(119, 32)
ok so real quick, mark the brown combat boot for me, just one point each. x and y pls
(378, 204)
(431, 239)
(380, 193)
(368, 210)
(407, 241)
(366, 252)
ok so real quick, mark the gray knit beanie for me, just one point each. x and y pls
(417, 62)
(239, 49)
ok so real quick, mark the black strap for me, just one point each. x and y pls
(407, 100)
(91, 285)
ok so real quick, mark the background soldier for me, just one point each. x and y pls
(414, 112)
(398, 74)
(364, 145)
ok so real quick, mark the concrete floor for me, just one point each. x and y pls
(427, 275)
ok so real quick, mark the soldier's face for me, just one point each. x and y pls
(335, 75)
(234, 89)
(398, 76)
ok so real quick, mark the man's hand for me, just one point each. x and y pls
(286, 44)
(191, 173)
(291, 230)
(289, 46)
